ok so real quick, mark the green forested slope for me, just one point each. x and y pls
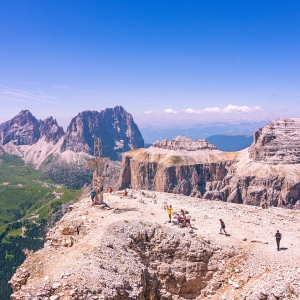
(27, 199)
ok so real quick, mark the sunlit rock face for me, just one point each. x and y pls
(277, 143)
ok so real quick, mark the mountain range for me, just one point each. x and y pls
(39, 140)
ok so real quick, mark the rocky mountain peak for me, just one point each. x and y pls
(115, 126)
(277, 142)
(23, 129)
(184, 143)
(51, 130)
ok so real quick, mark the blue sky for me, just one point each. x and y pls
(178, 60)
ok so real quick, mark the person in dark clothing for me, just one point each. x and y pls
(278, 238)
(222, 227)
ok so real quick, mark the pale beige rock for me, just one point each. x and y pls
(267, 172)
(135, 254)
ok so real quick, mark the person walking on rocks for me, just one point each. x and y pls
(278, 238)
(93, 195)
(222, 227)
(170, 209)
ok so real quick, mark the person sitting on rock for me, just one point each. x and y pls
(222, 227)
(177, 218)
(182, 218)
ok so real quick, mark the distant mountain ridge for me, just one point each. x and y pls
(25, 129)
(36, 140)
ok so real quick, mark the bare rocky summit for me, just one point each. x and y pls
(267, 172)
(129, 251)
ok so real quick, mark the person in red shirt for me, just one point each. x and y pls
(110, 189)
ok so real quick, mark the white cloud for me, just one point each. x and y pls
(227, 110)
(149, 112)
(211, 110)
(190, 111)
(170, 111)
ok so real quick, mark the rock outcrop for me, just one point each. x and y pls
(267, 172)
(37, 141)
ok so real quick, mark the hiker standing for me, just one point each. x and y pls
(222, 227)
(110, 189)
(93, 195)
(125, 193)
(170, 209)
(188, 219)
(278, 238)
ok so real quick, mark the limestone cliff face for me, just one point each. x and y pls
(248, 176)
(278, 142)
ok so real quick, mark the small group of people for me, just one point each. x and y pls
(183, 218)
(126, 194)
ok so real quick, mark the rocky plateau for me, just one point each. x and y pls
(128, 250)
(266, 172)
